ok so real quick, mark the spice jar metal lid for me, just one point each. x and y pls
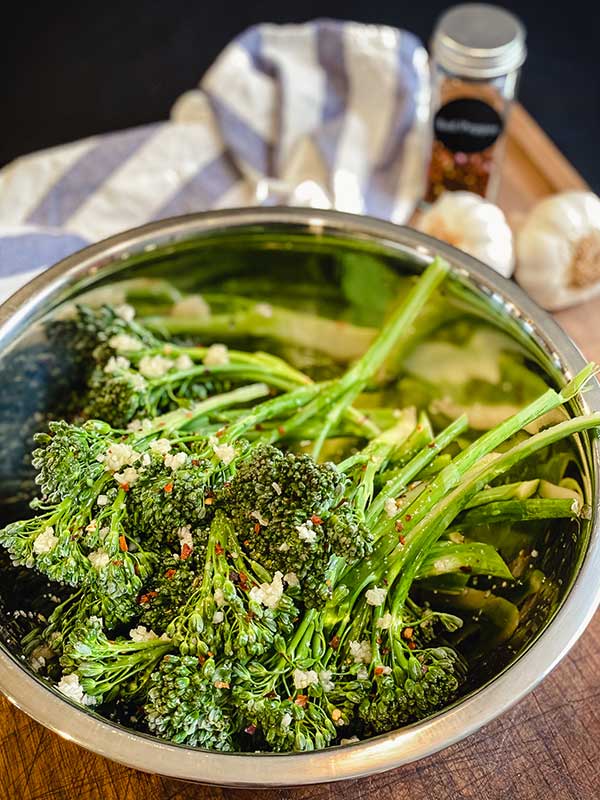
(478, 40)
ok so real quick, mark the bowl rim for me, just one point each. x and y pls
(385, 752)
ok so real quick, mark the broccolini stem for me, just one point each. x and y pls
(395, 332)
(521, 511)
(398, 484)
(406, 558)
(181, 417)
(481, 448)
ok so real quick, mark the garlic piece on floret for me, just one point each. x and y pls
(472, 224)
(558, 249)
(217, 355)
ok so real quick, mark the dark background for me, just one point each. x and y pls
(75, 69)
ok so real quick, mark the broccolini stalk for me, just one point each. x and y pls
(341, 340)
(334, 399)
(111, 668)
(120, 390)
(469, 557)
(425, 513)
(486, 444)
(234, 611)
(522, 490)
(520, 511)
(397, 484)
(137, 373)
(406, 557)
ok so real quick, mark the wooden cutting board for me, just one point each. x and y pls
(548, 746)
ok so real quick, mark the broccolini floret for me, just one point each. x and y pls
(190, 703)
(108, 668)
(239, 608)
(292, 516)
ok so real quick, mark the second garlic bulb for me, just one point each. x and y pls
(472, 224)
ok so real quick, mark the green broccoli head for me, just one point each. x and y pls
(166, 505)
(116, 394)
(168, 590)
(292, 516)
(67, 457)
(426, 681)
(110, 668)
(190, 703)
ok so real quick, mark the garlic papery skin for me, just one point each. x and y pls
(472, 224)
(558, 249)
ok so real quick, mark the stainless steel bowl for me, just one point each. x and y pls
(190, 248)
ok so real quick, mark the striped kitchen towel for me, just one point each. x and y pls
(325, 114)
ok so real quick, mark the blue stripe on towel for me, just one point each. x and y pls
(204, 189)
(25, 252)
(383, 185)
(87, 174)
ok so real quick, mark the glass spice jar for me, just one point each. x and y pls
(477, 51)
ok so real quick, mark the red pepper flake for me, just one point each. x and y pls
(408, 633)
(243, 581)
(117, 562)
(408, 517)
(246, 542)
(385, 651)
(257, 527)
(170, 574)
(208, 501)
(250, 616)
(195, 462)
(334, 642)
(412, 646)
(402, 540)
(378, 670)
(222, 684)
(145, 598)
(124, 486)
(301, 700)
(189, 414)
(399, 526)
(281, 430)
(220, 433)
(168, 488)
(250, 730)
(432, 445)
(123, 544)
(379, 640)
(219, 549)
(201, 660)
(316, 520)
(186, 551)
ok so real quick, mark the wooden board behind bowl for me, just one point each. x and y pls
(547, 747)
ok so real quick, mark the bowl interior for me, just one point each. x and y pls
(308, 267)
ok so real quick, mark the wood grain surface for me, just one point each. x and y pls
(547, 747)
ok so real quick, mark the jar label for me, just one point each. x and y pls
(467, 125)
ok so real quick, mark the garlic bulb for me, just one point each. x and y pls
(558, 250)
(468, 222)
